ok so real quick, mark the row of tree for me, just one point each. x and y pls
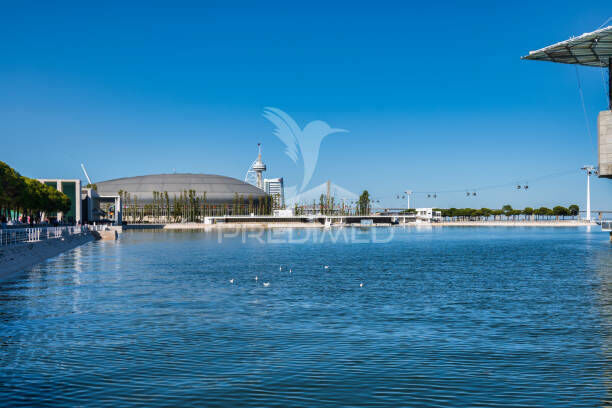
(188, 206)
(510, 213)
(23, 196)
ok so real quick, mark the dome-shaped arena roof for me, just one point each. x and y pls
(219, 189)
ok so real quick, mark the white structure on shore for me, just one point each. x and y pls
(428, 215)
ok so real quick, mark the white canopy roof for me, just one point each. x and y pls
(592, 49)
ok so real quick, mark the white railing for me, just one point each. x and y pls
(25, 235)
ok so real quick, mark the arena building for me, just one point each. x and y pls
(218, 189)
(164, 198)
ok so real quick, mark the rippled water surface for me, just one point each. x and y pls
(445, 317)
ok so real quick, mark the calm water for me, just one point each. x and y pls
(445, 317)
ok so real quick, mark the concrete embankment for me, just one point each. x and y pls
(229, 225)
(16, 258)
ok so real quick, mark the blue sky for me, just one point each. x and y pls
(435, 96)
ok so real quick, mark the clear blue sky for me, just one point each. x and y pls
(434, 94)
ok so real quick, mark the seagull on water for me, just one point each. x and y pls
(266, 284)
(326, 267)
(361, 285)
(232, 280)
(256, 278)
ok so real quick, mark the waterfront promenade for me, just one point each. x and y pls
(22, 248)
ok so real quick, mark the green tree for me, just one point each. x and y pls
(560, 211)
(573, 210)
(486, 212)
(364, 203)
(507, 210)
(496, 214)
(543, 212)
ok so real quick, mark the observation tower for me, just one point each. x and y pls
(254, 175)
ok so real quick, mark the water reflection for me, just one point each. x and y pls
(446, 317)
(603, 291)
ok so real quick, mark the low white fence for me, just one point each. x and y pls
(25, 235)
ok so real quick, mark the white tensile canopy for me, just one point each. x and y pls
(592, 49)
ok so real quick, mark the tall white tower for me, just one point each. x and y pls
(589, 170)
(258, 167)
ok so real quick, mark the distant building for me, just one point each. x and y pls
(428, 215)
(275, 189)
(283, 213)
(218, 189)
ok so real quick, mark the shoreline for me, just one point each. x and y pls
(560, 223)
(271, 225)
(16, 258)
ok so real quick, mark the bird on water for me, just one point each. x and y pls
(266, 284)
(232, 280)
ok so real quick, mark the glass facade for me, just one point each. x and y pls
(54, 185)
(69, 188)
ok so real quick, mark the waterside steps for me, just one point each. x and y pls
(607, 226)
(106, 232)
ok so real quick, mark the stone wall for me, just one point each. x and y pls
(15, 259)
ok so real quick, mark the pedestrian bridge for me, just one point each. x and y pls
(321, 219)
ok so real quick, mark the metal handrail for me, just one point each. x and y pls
(29, 235)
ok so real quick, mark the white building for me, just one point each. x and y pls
(283, 213)
(275, 188)
(428, 215)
